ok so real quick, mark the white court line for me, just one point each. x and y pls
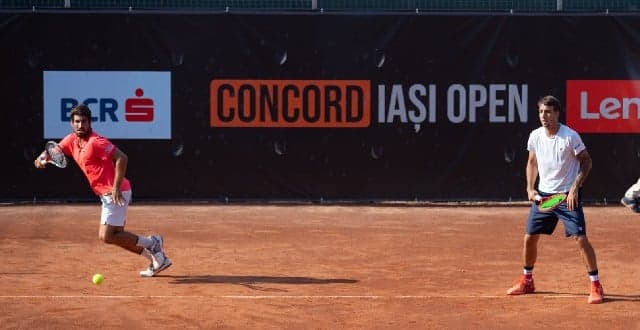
(276, 297)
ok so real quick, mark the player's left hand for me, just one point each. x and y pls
(572, 199)
(116, 194)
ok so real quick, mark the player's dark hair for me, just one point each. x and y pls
(550, 101)
(81, 110)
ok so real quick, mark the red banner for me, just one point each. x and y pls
(604, 106)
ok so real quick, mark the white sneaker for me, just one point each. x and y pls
(631, 203)
(157, 259)
(152, 271)
(157, 244)
(157, 251)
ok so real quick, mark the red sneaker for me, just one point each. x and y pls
(597, 293)
(523, 286)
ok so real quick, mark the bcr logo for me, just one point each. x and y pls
(604, 106)
(138, 109)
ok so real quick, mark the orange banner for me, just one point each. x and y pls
(290, 103)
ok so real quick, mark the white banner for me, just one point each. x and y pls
(124, 104)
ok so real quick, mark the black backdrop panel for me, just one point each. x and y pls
(437, 158)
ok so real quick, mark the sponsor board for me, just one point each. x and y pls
(353, 103)
(124, 104)
(290, 103)
(603, 106)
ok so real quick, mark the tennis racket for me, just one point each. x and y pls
(52, 154)
(548, 203)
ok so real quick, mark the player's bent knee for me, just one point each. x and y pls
(106, 238)
(530, 239)
(107, 234)
(580, 238)
(583, 242)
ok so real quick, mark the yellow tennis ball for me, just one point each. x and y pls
(97, 279)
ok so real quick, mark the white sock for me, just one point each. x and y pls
(145, 253)
(594, 278)
(145, 242)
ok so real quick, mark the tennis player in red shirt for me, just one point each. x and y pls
(105, 166)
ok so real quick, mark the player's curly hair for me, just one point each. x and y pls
(550, 101)
(81, 110)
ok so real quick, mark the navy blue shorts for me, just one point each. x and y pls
(545, 222)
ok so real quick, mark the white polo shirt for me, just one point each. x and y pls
(558, 165)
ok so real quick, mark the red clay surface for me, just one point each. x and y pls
(317, 267)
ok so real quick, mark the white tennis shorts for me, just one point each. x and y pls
(112, 214)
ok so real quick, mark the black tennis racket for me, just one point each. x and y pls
(53, 155)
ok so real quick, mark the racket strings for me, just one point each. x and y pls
(58, 158)
(56, 155)
(551, 202)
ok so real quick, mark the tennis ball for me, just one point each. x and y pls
(97, 279)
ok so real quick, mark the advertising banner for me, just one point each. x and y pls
(125, 105)
(319, 107)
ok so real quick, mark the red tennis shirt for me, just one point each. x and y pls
(93, 156)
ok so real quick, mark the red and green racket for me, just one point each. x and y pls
(548, 203)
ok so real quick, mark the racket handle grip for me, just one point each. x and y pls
(537, 199)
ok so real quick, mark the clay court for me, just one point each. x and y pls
(312, 266)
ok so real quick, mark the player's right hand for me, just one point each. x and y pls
(40, 161)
